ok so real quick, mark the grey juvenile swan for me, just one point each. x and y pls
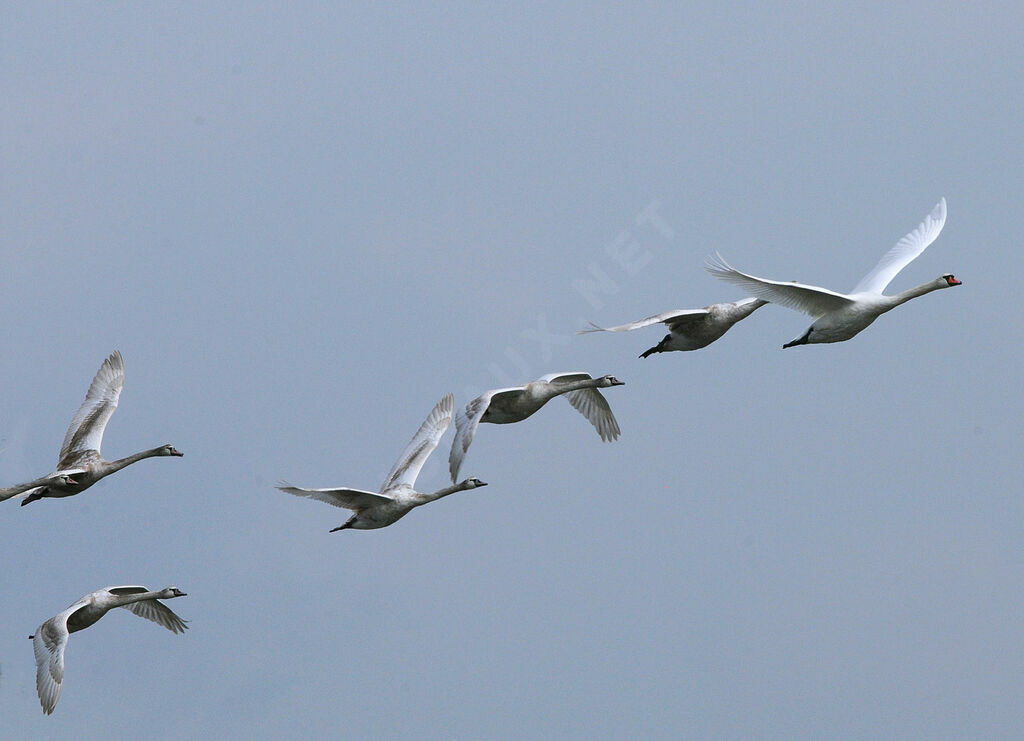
(51, 638)
(397, 496)
(504, 406)
(80, 464)
(840, 316)
(690, 329)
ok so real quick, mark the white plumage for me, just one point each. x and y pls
(840, 316)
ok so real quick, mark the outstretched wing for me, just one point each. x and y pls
(408, 466)
(354, 499)
(677, 318)
(904, 251)
(565, 377)
(159, 613)
(89, 422)
(592, 405)
(48, 643)
(588, 402)
(811, 300)
(466, 422)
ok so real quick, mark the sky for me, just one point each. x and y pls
(302, 224)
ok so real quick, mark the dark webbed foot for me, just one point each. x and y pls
(660, 347)
(33, 497)
(801, 341)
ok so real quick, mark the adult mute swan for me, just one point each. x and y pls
(690, 329)
(840, 316)
(504, 406)
(397, 496)
(51, 638)
(81, 465)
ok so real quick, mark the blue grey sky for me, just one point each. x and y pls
(303, 224)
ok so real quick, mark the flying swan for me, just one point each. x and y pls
(690, 329)
(840, 316)
(504, 406)
(51, 638)
(397, 496)
(81, 465)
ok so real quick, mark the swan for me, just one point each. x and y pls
(397, 497)
(690, 329)
(81, 465)
(840, 316)
(504, 406)
(51, 638)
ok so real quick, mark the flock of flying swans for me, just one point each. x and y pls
(837, 317)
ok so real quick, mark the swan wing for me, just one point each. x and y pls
(129, 589)
(28, 486)
(86, 429)
(592, 405)
(812, 300)
(556, 378)
(48, 643)
(354, 499)
(679, 317)
(159, 613)
(466, 422)
(904, 251)
(408, 466)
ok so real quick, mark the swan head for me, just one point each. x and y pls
(472, 483)
(171, 592)
(950, 280)
(606, 381)
(169, 450)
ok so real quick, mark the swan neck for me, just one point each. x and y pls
(916, 291)
(120, 463)
(583, 383)
(440, 493)
(745, 311)
(734, 312)
(127, 599)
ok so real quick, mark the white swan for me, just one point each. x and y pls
(690, 329)
(81, 465)
(397, 496)
(504, 406)
(51, 638)
(840, 316)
